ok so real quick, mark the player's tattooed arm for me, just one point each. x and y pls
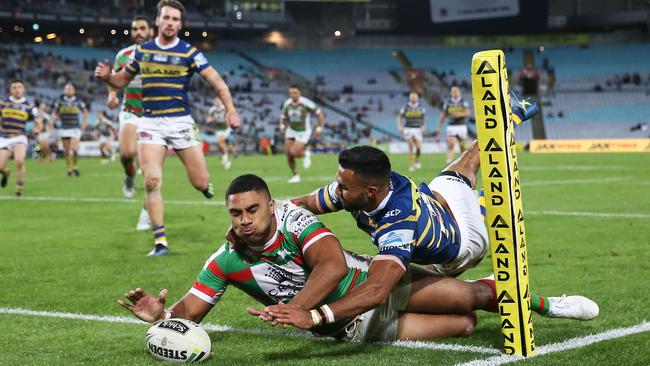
(309, 202)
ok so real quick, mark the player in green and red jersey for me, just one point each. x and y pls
(131, 111)
(279, 252)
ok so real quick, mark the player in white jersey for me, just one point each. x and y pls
(295, 122)
(456, 109)
(217, 117)
(105, 133)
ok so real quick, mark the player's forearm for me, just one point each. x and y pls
(322, 281)
(118, 81)
(185, 308)
(310, 202)
(365, 297)
(321, 119)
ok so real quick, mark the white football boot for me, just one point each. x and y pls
(572, 307)
(144, 223)
(294, 179)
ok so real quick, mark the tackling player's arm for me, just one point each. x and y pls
(326, 259)
(223, 93)
(322, 200)
(113, 101)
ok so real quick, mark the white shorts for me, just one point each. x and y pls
(105, 140)
(380, 323)
(178, 133)
(413, 133)
(128, 118)
(459, 131)
(45, 136)
(474, 241)
(298, 136)
(223, 134)
(70, 133)
(9, 142)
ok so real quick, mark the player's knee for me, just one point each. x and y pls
(469, 323)
(152, 183)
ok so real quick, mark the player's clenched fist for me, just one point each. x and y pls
(103, 70)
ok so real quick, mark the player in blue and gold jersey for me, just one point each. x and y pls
(15, 111)
(455, 111)
(166, 65)
(67, 110)
(411, 124)
(437, 224)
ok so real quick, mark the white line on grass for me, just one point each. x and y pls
(574, 181)
(569, 344)
(628, 215)
(225, 328)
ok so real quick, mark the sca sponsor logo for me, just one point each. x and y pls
(394, 240)
(177, 327)
(392, 213)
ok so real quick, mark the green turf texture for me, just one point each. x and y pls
(82, 256)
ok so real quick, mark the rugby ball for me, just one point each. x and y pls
(178, 340)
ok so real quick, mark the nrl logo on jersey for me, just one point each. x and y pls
(175, 60)
(146, 57)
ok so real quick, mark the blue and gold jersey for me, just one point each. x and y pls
(14, 114)
(455, 106)
(68, 110)
(413, 115)
(410, 223)
(166, 74)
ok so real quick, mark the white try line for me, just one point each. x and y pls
(225, 328)
(218, 202)
(575, 167)
(572, 343)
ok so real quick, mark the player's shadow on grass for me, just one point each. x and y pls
(334, 350)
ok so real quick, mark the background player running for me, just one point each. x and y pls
(15, 111)
(67, 110)
(411, 124)
(455, 111)
(295, 122)
(217, 118)
(166, 65)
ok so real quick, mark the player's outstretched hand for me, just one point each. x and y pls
(233, 119)
(145, 306)
(290, 314)
(103, 70)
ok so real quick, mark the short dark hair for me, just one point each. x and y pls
(171, 3)
(294, 86)
(247, 183)
(141, 17)
(366, 161)
(14, 81)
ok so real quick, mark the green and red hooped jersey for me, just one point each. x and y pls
(132, 101)
(298, 114)
(277, 271)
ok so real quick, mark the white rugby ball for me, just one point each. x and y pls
(178, 340)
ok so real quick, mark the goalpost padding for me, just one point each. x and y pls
(505, 218)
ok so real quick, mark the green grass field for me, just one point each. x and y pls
(70, 245)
